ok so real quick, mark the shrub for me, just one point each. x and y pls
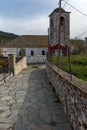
(78, 65)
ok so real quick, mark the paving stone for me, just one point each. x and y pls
(20, 94)
(3, 120)
(34, 114)
(20, 128)
(5, 126)
(5, 113)
(60, 118)
(44, 127)
(31, 126)
(20, 100)
(62, 126)
(44, 114)
(17, 105)
(7, 98)
(38, 121)
(3, 108)
(12, 101)
(28, 103)
(12, 119)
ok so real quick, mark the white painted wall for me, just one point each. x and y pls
(7, 51)
(36, 58)
(37, 51)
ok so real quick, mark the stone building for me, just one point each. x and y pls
(56, 42)
(34, 47)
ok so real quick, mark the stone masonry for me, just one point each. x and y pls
(54, 19)
(27, 102)
(72, 94)
(16, 67)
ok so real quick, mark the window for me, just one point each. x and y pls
(51, 22)
(62, 53)
(62, 21)
(32, 53)
(51, 34)
(62, 24)
(19, 53)
(43, 52)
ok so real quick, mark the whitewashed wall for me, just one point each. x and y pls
(36, 58)
(37, 51)
(6, 51)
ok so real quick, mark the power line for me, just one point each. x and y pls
(76, 9)
(82, 34)
(65, 3)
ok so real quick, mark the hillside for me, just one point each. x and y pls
(6, 37)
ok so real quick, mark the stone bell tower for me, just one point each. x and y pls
(59, 28)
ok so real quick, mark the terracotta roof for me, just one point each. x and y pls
(28, 41)
(57, 11)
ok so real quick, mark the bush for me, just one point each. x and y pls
(78, 65)
(3, 63)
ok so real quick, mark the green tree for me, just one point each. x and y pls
(77, 46)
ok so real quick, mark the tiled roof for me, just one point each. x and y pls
(57, 11)
(28, 41)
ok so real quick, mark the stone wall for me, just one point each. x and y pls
(16, 67)
(54, 29)
(20, 65)
(72, 94)
(5, 77)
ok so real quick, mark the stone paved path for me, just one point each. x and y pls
(27, 102)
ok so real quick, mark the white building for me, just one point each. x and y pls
(34, 47)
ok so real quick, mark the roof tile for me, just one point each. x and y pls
(28, 41)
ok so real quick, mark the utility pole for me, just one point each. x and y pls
(59, 31)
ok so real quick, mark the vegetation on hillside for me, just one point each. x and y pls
(78, 65)
(6, 37)
(77, 46)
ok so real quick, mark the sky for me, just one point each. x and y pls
(30, 17)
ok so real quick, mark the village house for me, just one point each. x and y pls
(34, 47)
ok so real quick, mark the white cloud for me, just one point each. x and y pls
(38, 25)
(78, 22)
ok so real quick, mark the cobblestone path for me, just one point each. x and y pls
(27, 102)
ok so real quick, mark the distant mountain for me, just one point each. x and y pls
(6, 37)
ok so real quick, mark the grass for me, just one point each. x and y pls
(78, 65)
(36, 67)
(3, 63)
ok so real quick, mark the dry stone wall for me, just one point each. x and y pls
(72, 94)
(16, 67)
(19, 66)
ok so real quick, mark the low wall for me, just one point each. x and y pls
(16, 67)
(72, 94)
(5, 77)
(20, 65)
(36, 59)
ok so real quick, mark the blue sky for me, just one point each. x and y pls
(31, 16)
